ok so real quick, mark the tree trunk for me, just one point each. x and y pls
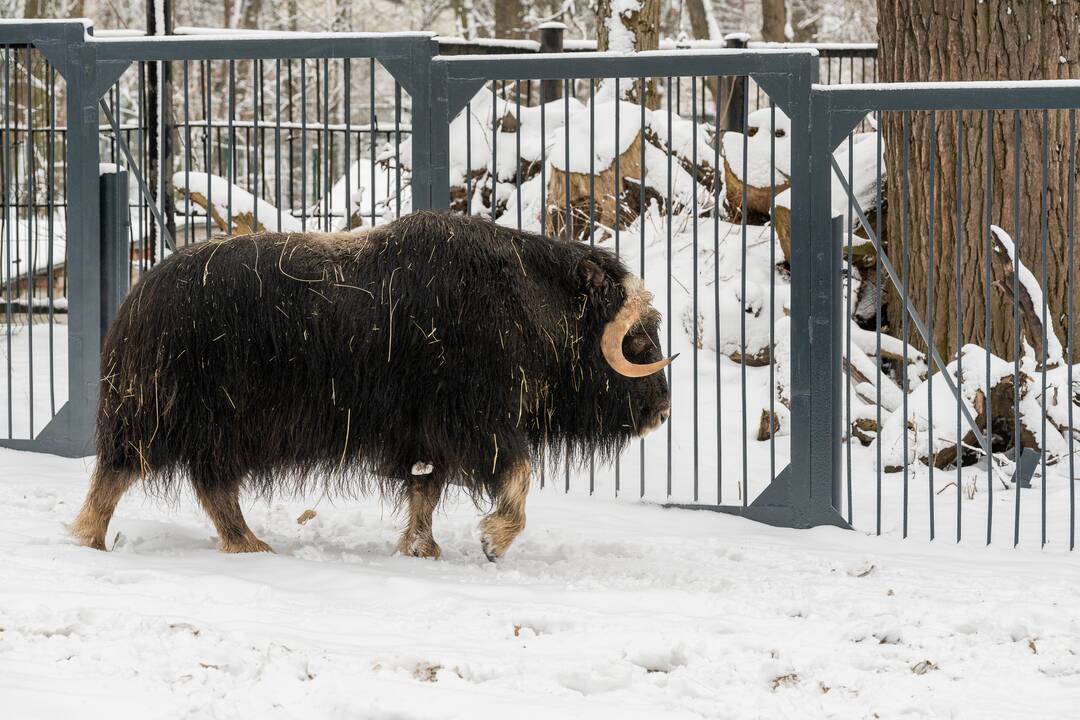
(633, 31)
(702, 26)
(509, 19)
(967, 40)
(773, 20)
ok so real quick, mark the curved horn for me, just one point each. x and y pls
(611, 343)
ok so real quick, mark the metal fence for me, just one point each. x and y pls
(952, 369)
(831, 278)
(643, 177)
(221, 177)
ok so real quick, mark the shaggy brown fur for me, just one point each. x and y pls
(265, 362)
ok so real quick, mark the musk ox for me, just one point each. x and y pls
(435, 349)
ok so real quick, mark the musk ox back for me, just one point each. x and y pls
(433, 349)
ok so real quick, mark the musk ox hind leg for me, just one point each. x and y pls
(499, 529)
(106, 488)
(422, 495)
(221, 501)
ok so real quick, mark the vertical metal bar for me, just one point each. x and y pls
(397, 150)
(877, 319)
(905, 193)
(1016, 322)
(543, 231)
(543, 172)
(641, 253)
(232, 144)
(569, 223)
(694, 229)
(847, 317)
(716, 296)
(670, 220)
(618, 222)
(743, 220)
(374, 127)
(931, 267)
(253, 151)
(277, 140)
(208, 146)
(8, 222)
(772, 292)
(517, 148)
(495, 154)
(303, 145)
(988, 284)
(592, 215)
(185, 71)
(328, 182)
(959, 262)
(468, 158)
(31, 235)
(567, 90)
(1071, 212)
(50, 179)
(347, 209)
(1043, 215)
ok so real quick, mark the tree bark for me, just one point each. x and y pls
(700, 26)
(965, 40)
(644, 24)
(703, 27)
(509, 19)
(773, 20)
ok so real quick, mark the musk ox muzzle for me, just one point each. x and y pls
(433, 350)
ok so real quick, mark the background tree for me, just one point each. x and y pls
(773, 20)
(509, 19)
(635, 29)
(971, 40)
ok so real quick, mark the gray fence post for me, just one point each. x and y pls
(551, 41)
(426, 127)
(734, 89)
(825, 374)
(439, 98)
(115, 253)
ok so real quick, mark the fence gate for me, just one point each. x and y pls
(592, 158)
(949, 369)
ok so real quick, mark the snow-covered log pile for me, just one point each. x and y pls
(992, 393)
(757, 165)
(537, 159)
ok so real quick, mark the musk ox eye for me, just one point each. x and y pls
(639, 343)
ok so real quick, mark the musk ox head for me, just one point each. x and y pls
(632, 390)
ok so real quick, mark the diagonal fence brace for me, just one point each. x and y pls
(916, 318)
(134, 168)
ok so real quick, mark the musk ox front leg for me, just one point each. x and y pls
(422, 495)
(220, 498)
(106, 489)
(499, 529)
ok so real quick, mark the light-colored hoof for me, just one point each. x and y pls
(248, 545)
(497, 534)
(86, 535)
(421, 547)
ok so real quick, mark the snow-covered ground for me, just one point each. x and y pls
(601, 609)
